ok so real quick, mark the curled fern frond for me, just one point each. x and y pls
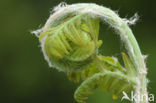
(69, 41)
(70, 46)
(113, 82)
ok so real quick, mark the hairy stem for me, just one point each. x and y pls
(141, 67)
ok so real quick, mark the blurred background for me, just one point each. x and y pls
(24, 74)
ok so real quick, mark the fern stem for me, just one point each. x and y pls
(138, 58)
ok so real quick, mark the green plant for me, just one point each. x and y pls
(69, 41)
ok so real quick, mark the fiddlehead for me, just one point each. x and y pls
(69, 42)
(72, 44)
(114, 78)
(112, 82)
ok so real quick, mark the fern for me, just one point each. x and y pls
(70, 43)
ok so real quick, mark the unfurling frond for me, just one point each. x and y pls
(113, 82)
(71, 45)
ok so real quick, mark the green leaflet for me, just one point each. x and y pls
(131, 70)
(107, 63)
(113, 82)
(110, 63)
(83, 74)
(72, 44)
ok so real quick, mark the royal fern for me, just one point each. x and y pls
(70, 43)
